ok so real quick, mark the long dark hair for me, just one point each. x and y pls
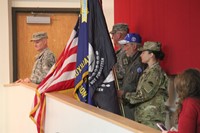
(187, 84)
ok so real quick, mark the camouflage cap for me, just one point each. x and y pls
(152, 46)
(119, 27)
(39, 35)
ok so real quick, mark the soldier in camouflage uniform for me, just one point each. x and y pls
(119, 32)
(44, 60)
(151, 94)
(133, 68)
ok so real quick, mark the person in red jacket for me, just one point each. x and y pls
(187, 85)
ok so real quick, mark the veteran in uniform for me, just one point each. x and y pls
(133, 68)
(151, 93)
(43, 61)
(118, 33)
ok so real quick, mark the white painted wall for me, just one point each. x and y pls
(63, 118)
(16, 102)
(6, 66)
(5, 42)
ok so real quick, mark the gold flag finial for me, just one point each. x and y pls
(84, 10)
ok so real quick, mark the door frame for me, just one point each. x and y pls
(16, 10)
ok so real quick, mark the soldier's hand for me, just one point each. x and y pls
(120, 93)
(27, 80)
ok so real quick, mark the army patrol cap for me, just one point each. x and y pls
(39, 35)
(131, 38)
(119, 27)
(152, 46)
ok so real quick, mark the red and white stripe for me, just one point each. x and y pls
(60, 77)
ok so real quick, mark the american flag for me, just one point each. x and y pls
(60, 77)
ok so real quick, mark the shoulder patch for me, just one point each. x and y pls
(139, 70)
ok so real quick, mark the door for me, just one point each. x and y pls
(58, 31)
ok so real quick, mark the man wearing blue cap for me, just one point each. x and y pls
(133, 68)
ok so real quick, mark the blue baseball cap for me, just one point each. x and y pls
(131, 37)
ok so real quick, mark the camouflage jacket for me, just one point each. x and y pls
(150, 96)
(120, 66)
(43, 62)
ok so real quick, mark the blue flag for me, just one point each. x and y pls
(81, 81)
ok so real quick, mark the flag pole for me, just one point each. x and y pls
(117, 85)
